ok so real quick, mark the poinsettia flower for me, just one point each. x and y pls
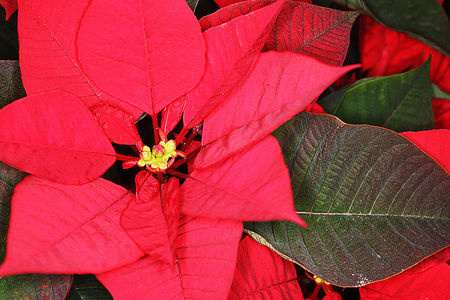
(176, 230)
(398, 53)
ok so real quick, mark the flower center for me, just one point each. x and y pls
(160, 158)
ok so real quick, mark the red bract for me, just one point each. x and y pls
(388, 52)
(167, 239)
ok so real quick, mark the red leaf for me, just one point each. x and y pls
(206, 258)
(10, 6)
(230, 52)
(263, 274)
(319, 32)
(67, 229)
(171, 115)
(166, 58)
(54, 136)
(280, 85)
(244, 187)
(427, 280)
(441, 109)
(152, 220)
(117, 124)
(48, 53)
(435, 143)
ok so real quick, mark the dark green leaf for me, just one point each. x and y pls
(11, 87)
(374, 202)
(423, 20)
(438, 93)
(35, 287)
(399, 102)
(87, 287)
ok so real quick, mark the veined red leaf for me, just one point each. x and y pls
(166, 58)
(427, 280)
(54, 136)
(240, 188)
(57, 228)
(152, 220)
(206, 257)
(263, 274)
(319, 32)
(117, 124)
(230, 52)
(435, 143)
(284, 83)
(49, 56)
(10, 6)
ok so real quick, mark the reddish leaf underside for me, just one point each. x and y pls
(263, 274)
(152, 220)
(319, 32)
(245, 187)
(280, 85)
(206, 257)
(230, 52)
(427, 280)
(435, 143)
(54, 136)
(67, 229)
(165, 61)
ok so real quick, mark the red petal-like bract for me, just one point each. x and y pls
(246, 186)
(319, 32)
(10, 6)
(280, 85)
(206, 257)
(166, 58)
(435, 143)
(263, 274)
(171, 115)
(117, 124)
(54, 136)
(67, 229)
(230, 52)
(152, 220)
(441, 109)
(48, 32)
(428, 280)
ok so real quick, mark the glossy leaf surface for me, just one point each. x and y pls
(399, 102)
(11, 87)
(66, 146)
(375, 203)
(79, 244)
(206, 257)
(319, 32)
(35, 287)
(423, 20)
(263, 274)
(87, 287)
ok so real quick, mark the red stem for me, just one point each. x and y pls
(177, 174)
(124, 157)
(315, 293)
(155, 128)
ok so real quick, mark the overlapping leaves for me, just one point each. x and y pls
(375, 203)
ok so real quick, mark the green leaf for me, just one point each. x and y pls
(86, 287)
(438, 93)
(423, 20)
(11, 87)
(374, 202)
(35, 287)
(399, 102)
